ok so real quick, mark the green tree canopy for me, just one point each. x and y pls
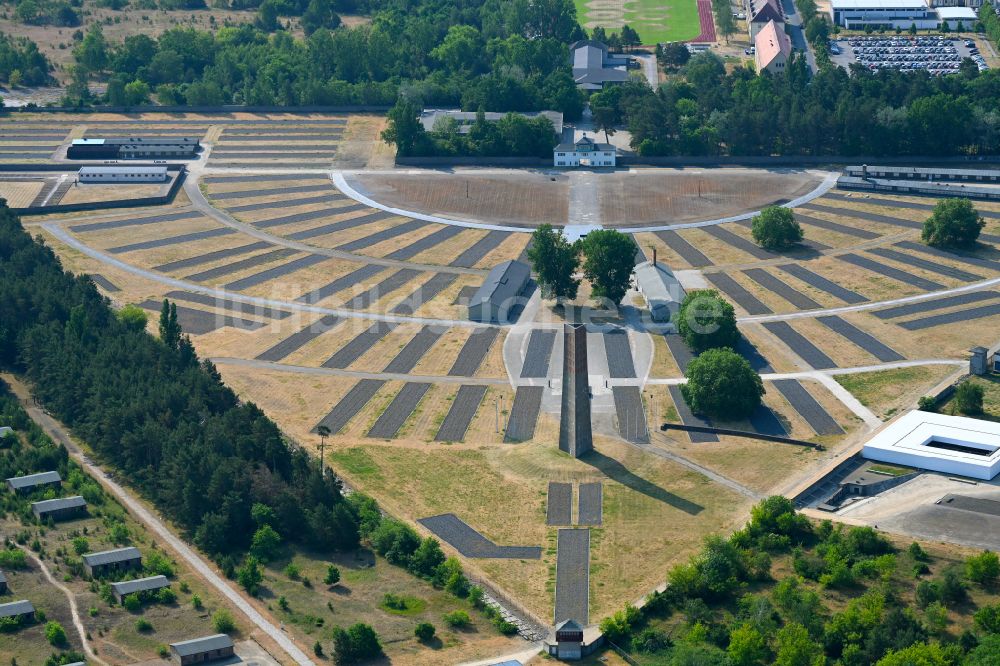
(134, 317)
(554, 260)
(954, 223)
(705, 320)
(969, 398)
(721, 384)
(608, 260)
(775, 228)
(358, 643)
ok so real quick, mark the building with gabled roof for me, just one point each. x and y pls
(59, 509)
(501, 293)
(110, 561)
(773, 49)
(123, 588)
(584, 152)
(22, 610)
(762, 12)
(594, 66)
(204, 649)
(29, 482)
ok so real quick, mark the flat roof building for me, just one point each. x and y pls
(594, 66)
(201, 650)
(955, 15)
(860, 14)
(500, 295)
(22, 610)
(429, 118)
(139, 586)
(939, 442)
(25, 484)
(773, 48)
(59, 509)
(109, 561)
(123, 174)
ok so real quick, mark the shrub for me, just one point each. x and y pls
(196, 602)
(293, 571)
(775, 228)
(132, 603)
(162, 651)
(917, 552)
(969, 398)
(332, 575)
(424, 631)
(13, 558)
(142, 625)
(988, 619)
(457, 619)
(983, 568)
(954, 223)
(927, 404)
(81, 545)
(356, 644)
(620, 626)
(222, 622)
(55, 634)
(166, 596)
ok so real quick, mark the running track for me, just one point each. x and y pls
(707, 24)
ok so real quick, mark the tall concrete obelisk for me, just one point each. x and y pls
(575, 437)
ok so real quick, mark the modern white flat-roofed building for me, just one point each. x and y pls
(858, 14)
(123, 174)
(955, 15)
(773, 48)
(940, 443)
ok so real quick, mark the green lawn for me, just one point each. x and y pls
(654, 20)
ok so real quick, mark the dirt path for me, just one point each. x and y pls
(58, 433)
(74, 611)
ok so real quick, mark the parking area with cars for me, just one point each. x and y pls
(938, 54)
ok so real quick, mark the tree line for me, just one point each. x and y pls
(709, 111)
(21, 63)
(157, 412)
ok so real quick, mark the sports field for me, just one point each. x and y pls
(654, 20)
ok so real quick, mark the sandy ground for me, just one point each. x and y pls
(20, 194)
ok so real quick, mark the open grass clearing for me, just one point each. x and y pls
(888, 391)
(990, 384)
(91, 193)
(20, 194)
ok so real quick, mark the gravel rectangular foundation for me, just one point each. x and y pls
(287, 203)
(797, 342)
(325, 229)
(134, 221)
(893, 203)
(384, 235)
(680, 351)
(236, 266)
(589, 511)
(264, 154)
(386, 286)
(559, 504)
(990, 264)
(823, 284)
(341, 283)
(765, 422)
(395, 415)
(772, 283)
(361, 343)
(301, 217)
(425, 243)
(861, 215)
(936, 304)
(746, 349)
(523, 414)
(104, 283)
(930, 266)
(198, 322)
(410, 355)
(688, 418)
(465, 294)
(424, 293)
(619, 353)
(738, 293)
(463, 410)
(866, 341)
(845, 229)
(470, 543)
(228, 304)
(740, 243)
(267, 192)
(351, 404)
(299, 339)
(890, 272)
(981, 312)
(538, 354)
(631, 414)
(278, 271)
(209, 257)
(172, 240)
(573, 576)
(474, 253)
(474, 352)
(806, 405)
(262, 178)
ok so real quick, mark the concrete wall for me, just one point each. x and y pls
(102, 205)
(226, 108)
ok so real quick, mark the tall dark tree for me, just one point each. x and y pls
(170, 329)
(404, 128)
(721, 384)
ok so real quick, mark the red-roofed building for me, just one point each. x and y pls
(774, 48)
(761, 12)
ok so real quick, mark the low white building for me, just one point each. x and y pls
(940, 443)
(123, 174)
(584, 152)
(662, 291)
(955, 16)
(890, 14)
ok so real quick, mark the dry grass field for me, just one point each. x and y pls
(888, 391)
(90, 193)
(19, 194)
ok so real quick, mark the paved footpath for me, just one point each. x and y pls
(56, 431)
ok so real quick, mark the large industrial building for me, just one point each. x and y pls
(940, 443)
(133, 147)
(890, 14)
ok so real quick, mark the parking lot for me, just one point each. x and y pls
(938, 54)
